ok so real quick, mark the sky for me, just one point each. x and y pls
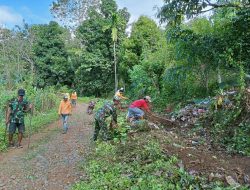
(13, 12)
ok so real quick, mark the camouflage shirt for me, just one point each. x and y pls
(17, 110)
(107, 110)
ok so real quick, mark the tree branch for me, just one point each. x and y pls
(204, 11)
(232, 5)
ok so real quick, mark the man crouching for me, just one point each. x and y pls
(108, 110)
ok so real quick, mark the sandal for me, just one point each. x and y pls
(19, 146)
(11, 145)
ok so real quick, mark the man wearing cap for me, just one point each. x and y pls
(65, 109)
(108, 109)
(137, 108)
(15, 117)
(119, 94)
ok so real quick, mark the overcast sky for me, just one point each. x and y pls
(12, 12)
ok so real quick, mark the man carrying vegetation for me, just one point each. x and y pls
(137, 108)
(15, 117)
(108, 109)
(65, 109)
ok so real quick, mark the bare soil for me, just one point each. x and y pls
(52, 160)
(202, 160)
(199, 155)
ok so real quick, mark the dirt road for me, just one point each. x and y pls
(52, 160)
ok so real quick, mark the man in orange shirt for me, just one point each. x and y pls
(73, 98)
(64, 111)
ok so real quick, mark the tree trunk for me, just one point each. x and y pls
(116, 80)
(219, 76)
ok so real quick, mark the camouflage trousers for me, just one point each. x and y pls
(100, 124)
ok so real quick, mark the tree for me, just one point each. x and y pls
(144, 39)
(119, 19)
(173, 10)
(114, 38)
(51, 59)
(98, 40)
(16, 59)
(93, 75)
(113, 25)
(73, 12)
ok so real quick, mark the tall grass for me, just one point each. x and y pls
(44, 103)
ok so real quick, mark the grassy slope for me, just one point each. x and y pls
(140, 163)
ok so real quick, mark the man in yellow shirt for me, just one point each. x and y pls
(64, 111)
(74, 98)
(119, 94)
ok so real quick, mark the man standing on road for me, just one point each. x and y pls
(15, 117)
(74, 98)
(137, 108)
(108, 109)
(65, 109)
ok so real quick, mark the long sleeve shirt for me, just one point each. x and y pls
(106, 111)
(65, 107)
(120, 95)
(142, 104)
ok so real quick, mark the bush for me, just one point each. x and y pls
(44, 102)
(138, 164)
(230, 128)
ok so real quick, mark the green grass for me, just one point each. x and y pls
(37, 122)
(85, 99)
(139, 164)
(41, 120)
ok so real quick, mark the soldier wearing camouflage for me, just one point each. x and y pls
(15, 117)
(108, 110)
(17, 111)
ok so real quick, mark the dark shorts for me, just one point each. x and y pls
(19, 126)
(73, 101)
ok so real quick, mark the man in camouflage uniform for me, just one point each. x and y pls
(15, 117)
(109, 109)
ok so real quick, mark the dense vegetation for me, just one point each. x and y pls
(140, 164)
(177, 62)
